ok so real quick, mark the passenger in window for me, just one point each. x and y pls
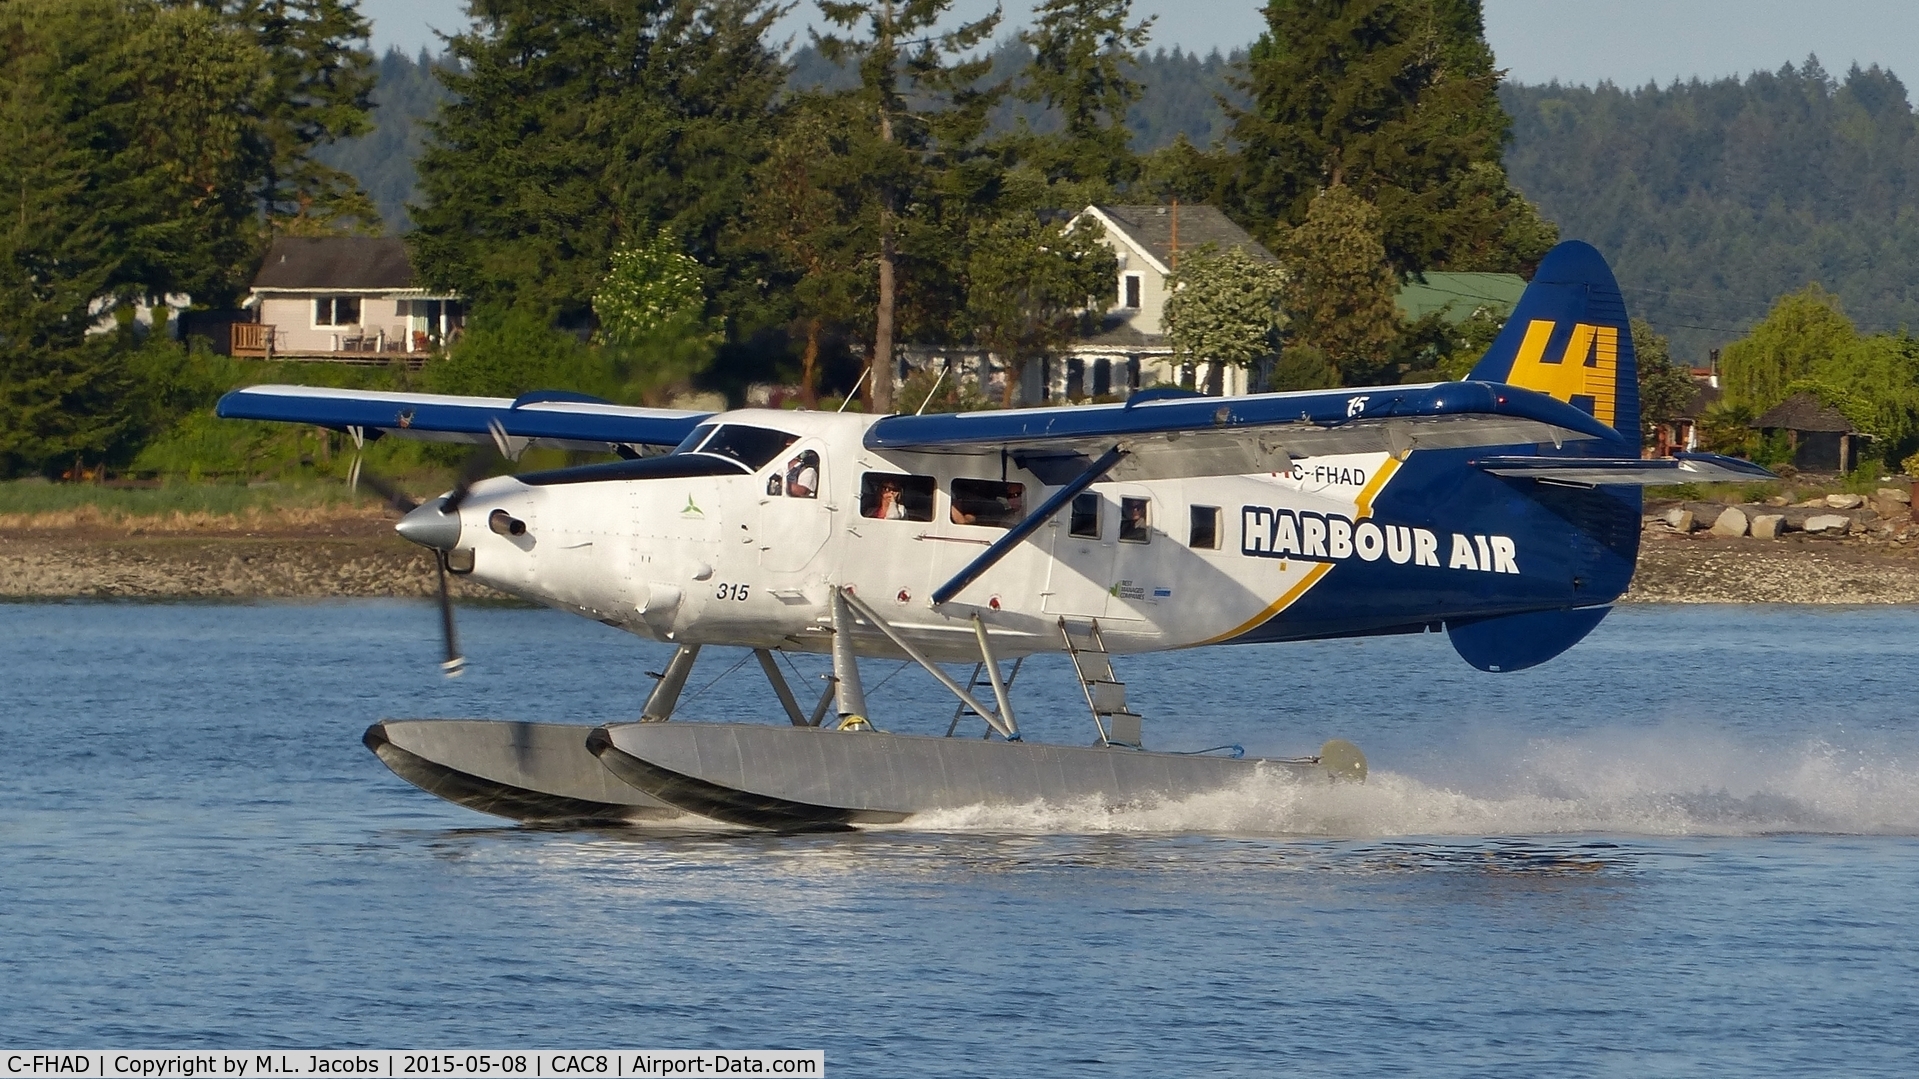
(895, 497)
(988, 502)
(1132, 520)
(773, 484)
(888, 506)
(803, 476)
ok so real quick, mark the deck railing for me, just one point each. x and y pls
(252, 339)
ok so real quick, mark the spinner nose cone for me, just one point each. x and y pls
(428, 527)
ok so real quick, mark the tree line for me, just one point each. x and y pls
(639, 196)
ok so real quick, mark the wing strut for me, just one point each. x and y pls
(1046, 512)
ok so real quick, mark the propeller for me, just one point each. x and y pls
(437, 527)
(455, 663)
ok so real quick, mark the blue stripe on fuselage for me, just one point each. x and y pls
(1575, 547)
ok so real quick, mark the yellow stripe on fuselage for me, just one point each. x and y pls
(1363, 508)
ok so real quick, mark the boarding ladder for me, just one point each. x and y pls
(981, 687)
(1118, 725)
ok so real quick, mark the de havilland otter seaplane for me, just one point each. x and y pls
(1503, 509)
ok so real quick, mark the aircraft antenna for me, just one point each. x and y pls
(867, 370)
(936, 388)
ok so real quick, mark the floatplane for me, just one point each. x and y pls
(1503, 510)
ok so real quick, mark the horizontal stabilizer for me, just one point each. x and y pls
(1628, 471)
(548, 419)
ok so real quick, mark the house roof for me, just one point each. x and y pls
(370, 263)
(1150, 228)
(1457, 295)
(1803, 412)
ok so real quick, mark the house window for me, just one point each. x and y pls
(1084, 519)
(1102, 377)
(1133, 522)
(891, 496)
(336, 311)
(1130, 288)
(1205, 535)
(988, 502)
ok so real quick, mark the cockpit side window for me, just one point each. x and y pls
(751, 446)
(694, 437)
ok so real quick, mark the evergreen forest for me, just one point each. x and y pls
(648, 199)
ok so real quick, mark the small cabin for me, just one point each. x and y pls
(348, 298)
(1821, 437)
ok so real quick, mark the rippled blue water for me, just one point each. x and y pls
(1689, 846)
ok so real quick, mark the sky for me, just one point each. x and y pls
(1629, 42)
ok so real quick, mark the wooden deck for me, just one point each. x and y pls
(254, 340)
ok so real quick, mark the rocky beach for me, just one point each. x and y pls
(1839, 549)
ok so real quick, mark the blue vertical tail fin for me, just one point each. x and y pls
(1569, 337)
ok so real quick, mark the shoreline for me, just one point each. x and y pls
(354, 554)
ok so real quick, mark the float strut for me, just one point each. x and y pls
(1009, 733)
(666, 695)
(780, 689)
(992, 671)
(846, 666)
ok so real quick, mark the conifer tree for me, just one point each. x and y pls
(805, 212)
(919, 114)
(574, 126)
(1396, 100)
(317, 91)
(1083, 58)
(1340, 292)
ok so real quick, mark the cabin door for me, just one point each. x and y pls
(1081, 574)
(795, 515)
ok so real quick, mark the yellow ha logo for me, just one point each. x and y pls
(1588, 368)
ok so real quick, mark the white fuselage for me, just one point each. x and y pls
(751, 559)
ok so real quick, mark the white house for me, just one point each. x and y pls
(1129, 349)
(345, 298)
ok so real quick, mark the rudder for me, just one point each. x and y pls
(1569, 337)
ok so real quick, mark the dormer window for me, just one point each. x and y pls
(1129, 291)
(336, 311)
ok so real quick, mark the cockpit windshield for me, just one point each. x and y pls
(751, 446)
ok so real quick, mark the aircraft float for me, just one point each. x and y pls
(1503, 510)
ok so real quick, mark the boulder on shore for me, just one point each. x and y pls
(1679, 519)
(1894, 494)
(1768, 525)
(1845, 502)
(1730, 523)
(1827, 522)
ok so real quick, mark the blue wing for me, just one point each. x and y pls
(1170, 436)
(551, 419)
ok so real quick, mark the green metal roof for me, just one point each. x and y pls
(1458, 295)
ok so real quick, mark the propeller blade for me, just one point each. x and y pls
(353, 476)
(455, 662)
(394, 497)
(478, 464)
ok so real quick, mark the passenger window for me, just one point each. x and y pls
(890, 496)
(803, 476)
(1133, 522)
(1084, 518)
(751, 446)
(1205, 528)
(988, 502)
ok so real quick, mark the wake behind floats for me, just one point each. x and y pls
(1504, 508)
